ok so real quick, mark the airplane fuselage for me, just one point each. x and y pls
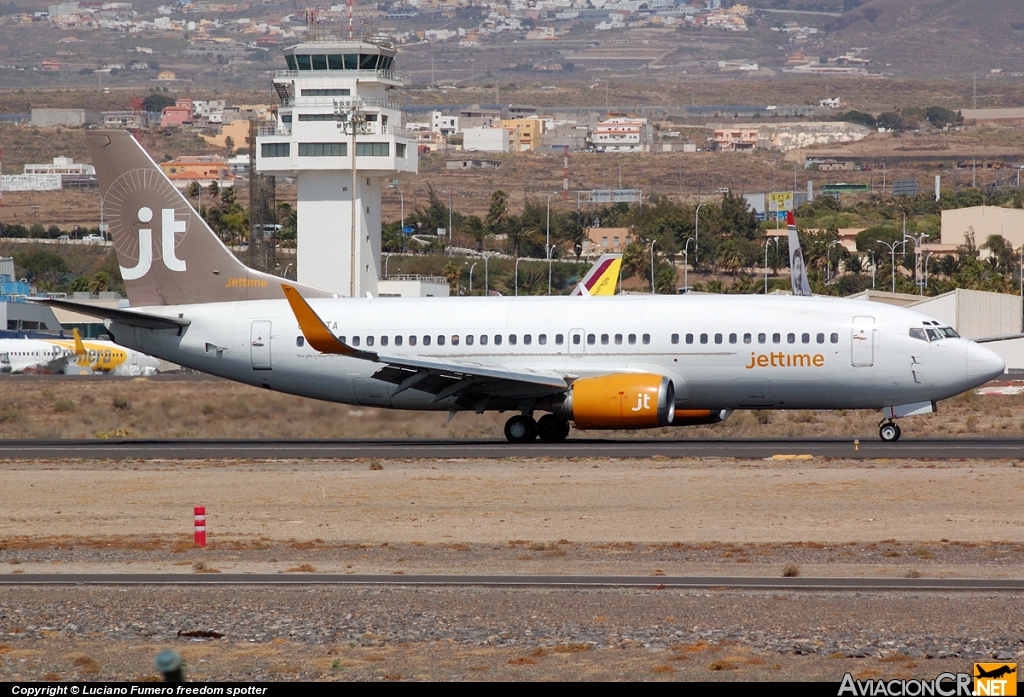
(721, 352)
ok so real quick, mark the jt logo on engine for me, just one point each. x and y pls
(643, 402)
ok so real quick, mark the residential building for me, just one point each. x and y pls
(735, 139)
(525, 133)
(177, 115)
(622, 134)
(486, 140)
(445, 125)
(202, 168)
(602, 240)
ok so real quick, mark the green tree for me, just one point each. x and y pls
(157, 102)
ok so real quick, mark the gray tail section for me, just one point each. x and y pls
(168, 254)
(797, 265)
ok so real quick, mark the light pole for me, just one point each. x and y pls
(471, 277)
(686, 261)
(767, 243)
(918, 241)
(828, 260)
(547, 244)
(285, 274)
(696, 223)
(451, 236)
(487, 280)
(892, 248)
(517, 275)
(653, 242)
(387, 258)
(927, 258)
(402, 196)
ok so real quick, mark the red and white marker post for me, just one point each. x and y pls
(200, 525)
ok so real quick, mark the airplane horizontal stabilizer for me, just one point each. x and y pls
(128, 317)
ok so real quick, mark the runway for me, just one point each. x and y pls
(910, 448)
(510, 581)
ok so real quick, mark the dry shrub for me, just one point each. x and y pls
(790, 570)
(88, 665)
(63, 405)
(200, 567)
(723, 664)
(301, 569)
(923, 553)
(913, 573)
(573, 648)
(5, 648)
(523, 661)
(663, 669)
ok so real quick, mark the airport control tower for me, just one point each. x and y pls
(339, 135)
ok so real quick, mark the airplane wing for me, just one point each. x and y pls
(129, 317)
(442, 378)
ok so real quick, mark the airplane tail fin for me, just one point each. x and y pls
(79, 344)
(602, 278)
(167, 253)
(797, 266)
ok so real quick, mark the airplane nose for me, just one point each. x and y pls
(983, 364)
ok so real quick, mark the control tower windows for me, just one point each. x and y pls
(319, 61)
(323, 149)
(292, 65)
(339, 62)
(336, 61)
(327, 93)
(303, 62)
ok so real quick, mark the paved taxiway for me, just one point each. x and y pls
(910, 448)
(520, 580)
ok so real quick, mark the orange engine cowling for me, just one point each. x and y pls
(622, 400)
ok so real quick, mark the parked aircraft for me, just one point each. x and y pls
(621, 362)
(602, 278)
(74, 357)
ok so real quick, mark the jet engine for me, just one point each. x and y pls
(700, 417)
(622, 400)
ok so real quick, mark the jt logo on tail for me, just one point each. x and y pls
(168, 227)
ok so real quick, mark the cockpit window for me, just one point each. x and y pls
(918, 333)
(933, 334)
(949, 332)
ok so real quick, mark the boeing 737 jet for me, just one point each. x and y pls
(615, 362)
(75, 357)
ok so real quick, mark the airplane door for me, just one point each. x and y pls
(577, 344)
(862, 347)
(259, 345)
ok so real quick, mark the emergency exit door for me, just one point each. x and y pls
(259, 345)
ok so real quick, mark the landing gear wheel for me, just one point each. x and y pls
(552, 429)
(520, 429)
(889, 433)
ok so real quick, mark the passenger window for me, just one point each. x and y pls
(576, 339)
(440, 339)
(918, 333)
(618, 339)
(790, 338)
(398, 340)
(805, 338)
(542, 339)
(300, 341)
(412, 339)
(512, 339)
(776, 338)
(632, 339)
(384, 341)
(604, 339)
(369, 341)
(355, 341)
(675, 338)
(559, 339)
(732, 338)
(689, 338)
(646, 338)
(747, 338)
(497, 339)
(821, 338)
(834, 338)
(483, 339)
(527, 339)
(762, 338)
(591, 339)
(718, 338)
(703, 338)
(426, 339)
(455, 339)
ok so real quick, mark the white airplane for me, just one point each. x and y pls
(619, 362)
(73, 357)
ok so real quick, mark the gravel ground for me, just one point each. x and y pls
(456, 634)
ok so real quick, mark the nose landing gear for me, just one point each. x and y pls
(889, 432)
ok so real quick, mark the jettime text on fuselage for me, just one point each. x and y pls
(779, 359)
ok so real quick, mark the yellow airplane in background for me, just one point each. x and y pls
(99, 356)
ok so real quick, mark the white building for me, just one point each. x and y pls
(338, 133)
(62, 165)
(622, 134)
(445, 125)
(486, 140)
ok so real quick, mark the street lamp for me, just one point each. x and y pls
(767, 243)
(403, 215)
(517, 275)
(471, 277)
(387, 258)
(285, 274)
(686, 261)
(918, 241)
(696, 222)
(547, 244)
(892, 248)
(653, 242)
(487, 285)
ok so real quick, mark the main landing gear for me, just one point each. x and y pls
(523, 429)
(889, 432)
